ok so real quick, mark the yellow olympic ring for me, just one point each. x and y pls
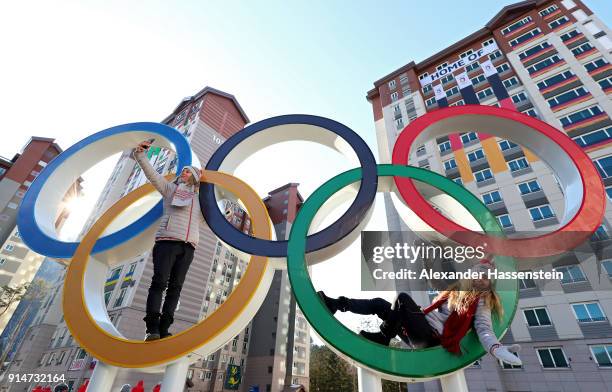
(207, 335)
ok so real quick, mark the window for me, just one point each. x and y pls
(430, 101)
(569, 35)
(555, 79)
(530, 112)
(458, 103)
(533, 50)
(450, 164)
(423, 76)
(468, 137)
(421, 148)
(507, 366)
(595, 64)
(504, 221)
(444, 146)
(458, 180)
(588, 312)
(541, 212)
(513, 81)
(452, 91)
(547, 62)
(487, 92)
(479, 79)
(549, 10)
(495, 55)
(488, 42)
(516, 25)
(119, 300)
(502, 68)
(506, 145)
(466, 53)
(9, 247)
(571, 274)
(476, 155)
(392, 85)
(526, 283)
(585, 47)
(525, 37)
(427, 89)
(553, 357)
(558, 22)
(518, 164)
(446, 79)
(604, 166)
(472, 67)
(605, 83)
(602, 355)
(609, 192)
(399, 123)
(580, 115)
(441, 66)
(594, 137)
(491, 197)
(396, 109)
(394, 96)
(536, 317)
(600, 234)
(516, 98)
(483, 175)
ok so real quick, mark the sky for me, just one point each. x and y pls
(72, 68)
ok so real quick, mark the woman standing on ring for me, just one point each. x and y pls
(175, 242)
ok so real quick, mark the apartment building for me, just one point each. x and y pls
(553, 61)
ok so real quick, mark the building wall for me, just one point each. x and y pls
(18, 264)
(392, 112)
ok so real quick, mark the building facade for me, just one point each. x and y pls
(279, 353)
(18, 264)
(553, 59)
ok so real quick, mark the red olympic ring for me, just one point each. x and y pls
(582, 224)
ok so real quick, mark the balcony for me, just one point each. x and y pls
(520, 172)
(533, 199)
(543, 333)
(523, 104)
(598, 328)
(546, 222)
(479, 164)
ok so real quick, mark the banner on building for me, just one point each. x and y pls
(500, 91)
(440, 95)
(233, 377)
(450, 68)
(467, 89)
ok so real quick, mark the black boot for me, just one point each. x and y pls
(164, 324)
(152, 323)
(333, 304)
(376, 337)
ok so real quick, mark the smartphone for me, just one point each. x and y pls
(150, 141)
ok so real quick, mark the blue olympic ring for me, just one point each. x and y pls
(37, 240)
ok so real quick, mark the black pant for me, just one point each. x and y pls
(171, 260)
(405, 318)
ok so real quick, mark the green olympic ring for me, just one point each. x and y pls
(395, 362)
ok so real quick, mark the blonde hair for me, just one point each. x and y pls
(462, 295)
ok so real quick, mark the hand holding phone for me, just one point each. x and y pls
(145, 145)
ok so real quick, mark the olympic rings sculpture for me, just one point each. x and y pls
(105, 245)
